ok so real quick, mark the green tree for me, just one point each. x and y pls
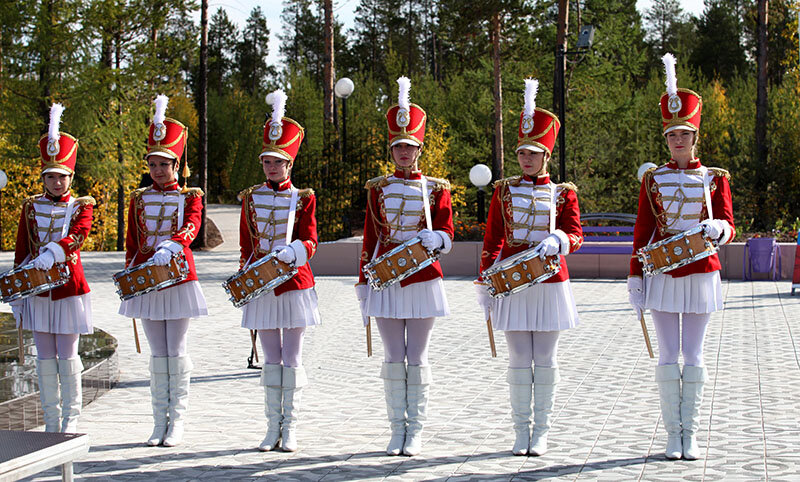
(223, 37)
(251, 54)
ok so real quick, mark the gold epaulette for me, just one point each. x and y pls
(86, 200)
(246, 192)
(379, 181)
(305, 192)
(439, 184)
(192, 191)
(137, 193)
(720, 172)
(568, 186)
(508, 181)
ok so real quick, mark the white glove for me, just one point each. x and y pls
(162, 257)
(361, 294)
(549, 246)
(16, 309)
(714, 228)
(430, 240)
(286, 255)
(484, 299)
(44, 261)
(636, 294)
(171, 245)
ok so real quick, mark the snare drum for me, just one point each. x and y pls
(679, 250)
(519, 272)
(398, 264)
(146, 277)
(25, 280)
(263, 276)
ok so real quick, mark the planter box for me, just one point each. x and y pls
(602, 260)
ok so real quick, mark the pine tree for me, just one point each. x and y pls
(223, 37)
(251, 54)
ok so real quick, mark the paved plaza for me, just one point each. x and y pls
(606, 426)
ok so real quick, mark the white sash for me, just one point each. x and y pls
(552, 207)
(707, 177)
(426, 203)
(290, 219)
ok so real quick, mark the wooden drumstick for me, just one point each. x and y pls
(21, 344)
(646, 334)
(136, 336)
(369, 337)
(491, 336)
(253, 336)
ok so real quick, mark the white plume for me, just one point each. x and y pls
(404, 84)
(277, 100)
(161, 109)
(669, 68)
(55, 121)
(531, 88)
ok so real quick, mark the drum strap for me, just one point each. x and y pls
(426, 203)
(180, 212)
(552, 207)
(67, 217)
(290, 220)
(707, 176)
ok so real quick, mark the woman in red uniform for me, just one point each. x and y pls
(163, 220)
(530, 211)
(52, 228)
(278, 217)
(405, 312)
(673, 198)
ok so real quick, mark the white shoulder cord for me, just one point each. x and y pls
(426, 203)
(290, 219)
(707, 191)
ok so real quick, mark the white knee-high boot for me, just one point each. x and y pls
(159, 398)
(668, 378)
(691, 396)
(520, 388)
(418, 383)
(271, 380)
(69, 371)
(294, 379)
(180, 369)
(394, 390)
(545, 380)
(49, 393)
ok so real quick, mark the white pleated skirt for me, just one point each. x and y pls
(695, 293)
(417, 300)
(293, 309)
(180, 301)
(542, 307)
(72, 315)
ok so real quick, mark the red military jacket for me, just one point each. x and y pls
(395, 214)
(33, 234)
(262, 227)
(672, 200)
(153, 216)
(519, 218)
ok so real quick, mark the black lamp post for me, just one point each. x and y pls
(343, 89)
(480, 175)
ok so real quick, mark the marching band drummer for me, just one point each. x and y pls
(276, 216)
(163, 220)
(399, 207)
(52, 228)
(531, 212)
(673, 198)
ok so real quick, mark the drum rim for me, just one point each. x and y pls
(269, 286)
(372, 276)
(183, 270)
(64, 274)
(641, 252)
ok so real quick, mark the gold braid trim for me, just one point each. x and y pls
(648, 178)
(86, 200)
(192, 191)
(375, 216)
(376, 182)
(568, 186)
(305, 192)
(720, 172)
(439, 184)
(508, 181)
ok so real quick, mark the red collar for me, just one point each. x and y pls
(543, 179)
(173, 186)
(61, 199)
(407, 174)
(279, 186)
(693, 164)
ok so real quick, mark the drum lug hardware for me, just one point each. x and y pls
(255, 272)
(530, 277)
(25, 274)
(389, 263)
(261, 281)
(503, 275)
(508, 287)
(274, 263)
(152, 281)
(394, 273)
(149, 272)
(669, 260)
(686, 240)
(525, 267)
(280, 271)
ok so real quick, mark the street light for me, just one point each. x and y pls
(3, 183)
(343, 89)
(480, 175)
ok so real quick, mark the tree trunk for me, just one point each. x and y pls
(202, 109)
(497, 162)
(559, 95)
(120, 155)
(328, 125)
(761, 110)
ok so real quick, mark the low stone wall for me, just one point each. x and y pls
(339, 258)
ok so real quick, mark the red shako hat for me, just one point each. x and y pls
(167, 137)
(538, 128)
(59, 150)
(406, 121)
(282, 135)
(680, 108)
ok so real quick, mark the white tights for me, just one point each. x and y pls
(289, 351)
(672, 340)
(48, 345)
(393, 335)
(166, 337)
(537, 347)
